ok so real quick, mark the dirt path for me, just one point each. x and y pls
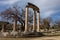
(38, 38)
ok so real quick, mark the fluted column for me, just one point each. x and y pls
(26, 19)
(34, 21)
(14, 25)
(38, 22)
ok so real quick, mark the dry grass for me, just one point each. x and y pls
(37, 38)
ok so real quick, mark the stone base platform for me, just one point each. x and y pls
(33, 34)
(22, 34)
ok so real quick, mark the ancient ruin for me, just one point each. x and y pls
(35, 27)
(36, 12)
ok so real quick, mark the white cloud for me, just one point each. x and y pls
(49, 13)
(49, 7)
(46, 14)
(9, 2)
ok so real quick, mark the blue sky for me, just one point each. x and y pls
(48, 8)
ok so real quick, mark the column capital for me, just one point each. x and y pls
(27, 6)
(38, 11)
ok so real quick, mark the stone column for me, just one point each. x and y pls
(2, 28)
(38, 22)
(34, 21)
(26, 20)
(14, 25)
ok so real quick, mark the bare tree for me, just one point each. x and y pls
(18, 14)
(46, 23)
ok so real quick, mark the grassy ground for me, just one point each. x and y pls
(53, 34)
(37, 38)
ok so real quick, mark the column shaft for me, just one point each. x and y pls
(14, 25)
(26, 20)
(34, 21)
(38, 22)
(2, 28)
